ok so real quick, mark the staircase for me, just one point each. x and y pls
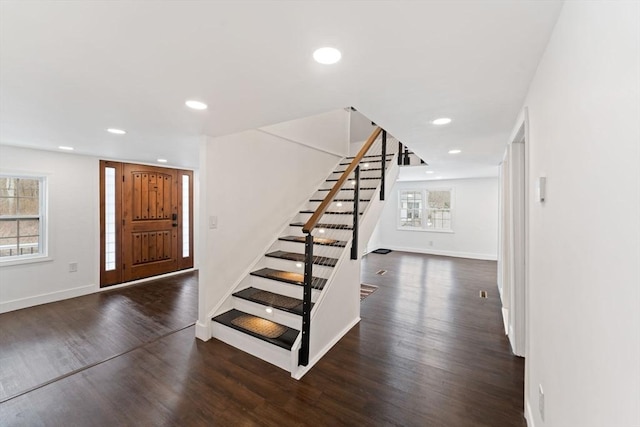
(264, 314)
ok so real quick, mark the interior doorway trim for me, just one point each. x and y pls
(146, 221)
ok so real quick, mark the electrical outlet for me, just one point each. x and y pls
(213, 222)
(541, 401)
(73, 267)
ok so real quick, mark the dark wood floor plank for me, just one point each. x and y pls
(428, 352)
(41, 343)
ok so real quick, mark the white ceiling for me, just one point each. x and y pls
(69, 70)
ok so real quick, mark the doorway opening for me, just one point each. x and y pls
(146, 221)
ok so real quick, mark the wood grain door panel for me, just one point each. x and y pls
(150, 221)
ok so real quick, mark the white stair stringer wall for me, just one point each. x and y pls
(336, 308)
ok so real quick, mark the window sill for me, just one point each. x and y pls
(29, 260)
(425, 230)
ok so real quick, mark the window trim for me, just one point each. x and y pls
(425, 197)
(43, 254)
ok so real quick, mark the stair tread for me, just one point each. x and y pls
(371, 155)
(348, 189)
(331, 226)
(258, 296)
(316, 241)
(361, 170)
(294, 256)
(339, 200)
(309, 211)
(366, 178)
(368, 161)
(285, 340)
(288, 277)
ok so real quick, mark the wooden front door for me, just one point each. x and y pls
(152, 219)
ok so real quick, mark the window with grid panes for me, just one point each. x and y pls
(411, 209)
(427, 210)
(438, 212)
(22, 218)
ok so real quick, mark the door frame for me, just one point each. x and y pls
(116, 277)
(513, 258)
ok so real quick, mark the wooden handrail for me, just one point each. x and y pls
(313, 221)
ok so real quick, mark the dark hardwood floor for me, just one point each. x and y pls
(42, 343)
(428, 352)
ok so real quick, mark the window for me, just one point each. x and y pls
(22, 217)
(411, 209)
(438, 210)
(427, 210)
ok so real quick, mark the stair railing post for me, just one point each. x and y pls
(399, 153)
(384, 163)
(356, 214)
(407, 161)
(303, 355)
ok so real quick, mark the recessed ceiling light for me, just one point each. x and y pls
(339, 204)
(321, 231)
(269, 310)
(366, 165)
(456, 151)
(442, 121)
(64, 147)
(409, 195)
(429, 172)
(162, 160)
(327, 55)
(299, 264)
(196, 105)
(116, 131)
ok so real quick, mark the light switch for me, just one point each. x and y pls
(541, 189)
(213, 222)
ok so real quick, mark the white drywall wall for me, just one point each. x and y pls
(584, 275)
(254, 183)
(327, 131)
(475, 221)
(73, 229)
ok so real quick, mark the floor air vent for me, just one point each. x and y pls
(381, 272)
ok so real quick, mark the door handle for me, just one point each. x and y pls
(174, 218)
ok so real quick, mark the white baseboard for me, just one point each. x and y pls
(505, 320)
(304, 369)
(528, 415)
(470, 255)
(20, 303)
(203, 331)
(79, 291)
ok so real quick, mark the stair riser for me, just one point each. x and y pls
(281, 264)
(286, 289)
(258, 348)
(345, 193)
(332, 233)
(364, 183)
(284, 318)
(327, 218)
(318, 250)
(333, 207)
(364, 173)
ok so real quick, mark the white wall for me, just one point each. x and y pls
(254, 183)
(73, 230)
(326, 132)
(475, 221)
(584, 275)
